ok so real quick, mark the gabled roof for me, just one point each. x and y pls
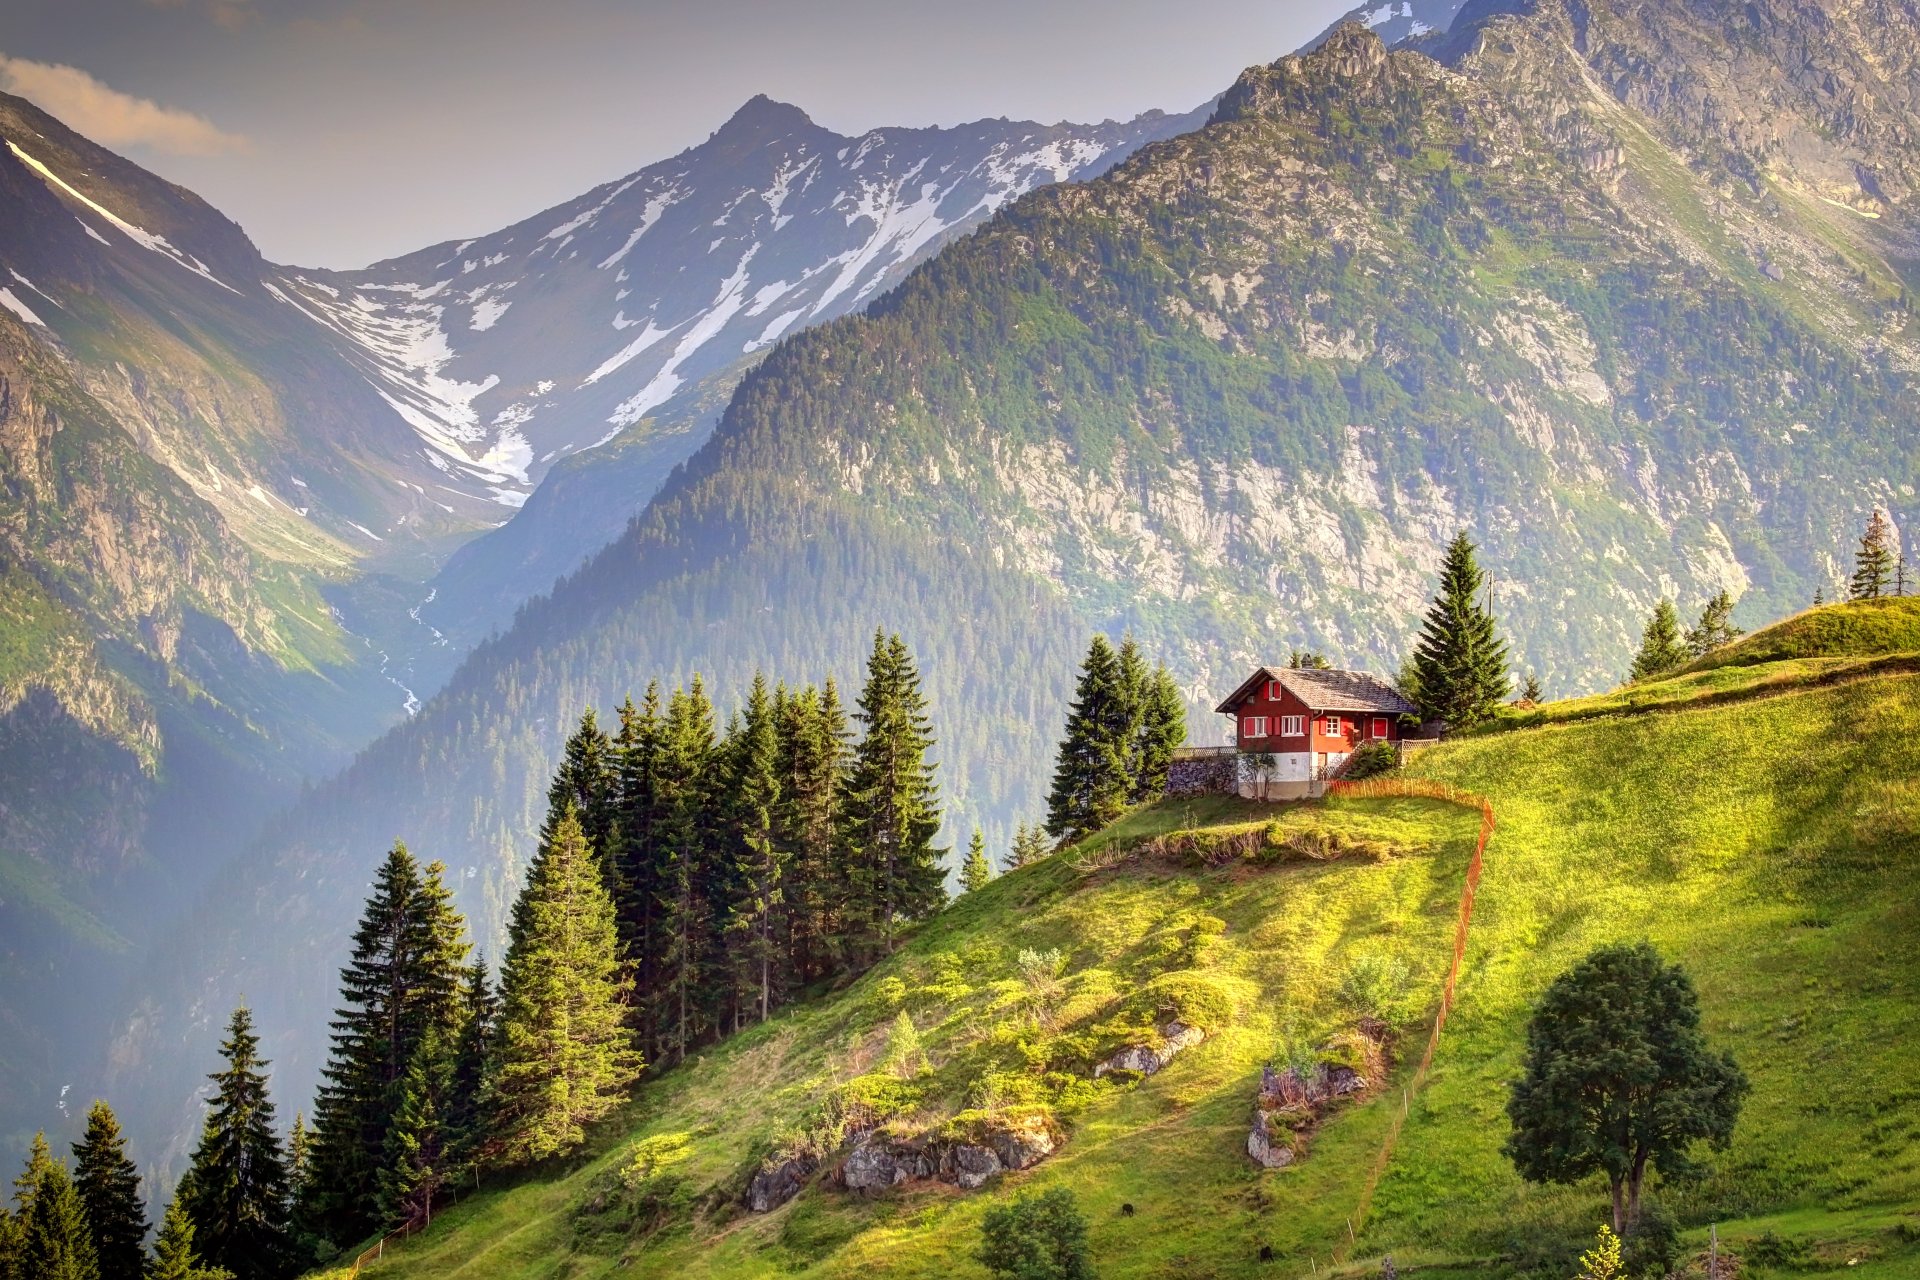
(1328, 691)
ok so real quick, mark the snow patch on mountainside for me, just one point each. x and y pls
(145, 239)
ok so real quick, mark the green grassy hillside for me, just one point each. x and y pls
(1769, 845)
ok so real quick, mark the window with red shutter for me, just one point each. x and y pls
(1380, 727)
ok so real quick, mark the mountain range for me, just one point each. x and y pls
(1622, 289)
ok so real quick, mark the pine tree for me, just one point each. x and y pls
(683, 785)
(1715, 627)
(1873, 562)
(53, 1240)
(11, 1243)
(635, 863)
(1459, 666)
(420, 1154)
(1029, 846)
(1307, 660)
(565, 1055)
(109, 1187)
(976, 870)
(174, 1257)
(469, 1107)
(1134, 684)
(890, 806)
(1660, 648)
(1091, 780)
(587, 779)
(402, 981)
(813, 752)
(1531, 692)
(1163, 731)
(235, 1188)
(755, 927)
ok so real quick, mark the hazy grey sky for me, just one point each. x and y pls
(342, 131)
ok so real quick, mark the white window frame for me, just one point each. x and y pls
(1330, 726)
(1253, 727)
(1293, 726)
(1381, 726)
(1273, 691)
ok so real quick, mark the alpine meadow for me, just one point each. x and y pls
(1319, 678)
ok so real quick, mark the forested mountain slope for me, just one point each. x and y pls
(1778, 880)
(1233, 395)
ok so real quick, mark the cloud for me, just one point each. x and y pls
(110, 117)
(228, 13)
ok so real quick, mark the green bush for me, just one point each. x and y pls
(1037, 1237)
(1199, 999)
(1376, 985)
(1652, 1243)
(1371, 761)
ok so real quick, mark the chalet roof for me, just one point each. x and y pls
(1329, 691)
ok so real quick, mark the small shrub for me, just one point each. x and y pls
(1772, 1250)
(1376, 985)
(1199, 999)
(1602, 1262)
(1652, 1243)
(903, 1055)
(1371, 761)
(1037, 1237)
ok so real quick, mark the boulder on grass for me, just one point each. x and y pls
(778, 1183)
(1175, 1038)
(1271, 1146)
(969, 1165)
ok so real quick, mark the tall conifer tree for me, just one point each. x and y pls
(1873, 562)
(588, 780)
(813, 751)
(53, 1241)
(565, 1053)
(1092, 782)
(755, 928)
(1459, 666)
(683, 786)
(109, 1187)
(469, 1108)
(1163, 731)
(636, 859)
(235, 1188)
(1715, 627)
(976, 871)
(174, 1257)
(1661, 649)
(890, 806)
(420, 1156)
(403, 980)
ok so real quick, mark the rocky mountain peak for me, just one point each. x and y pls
(760, 118)
(1353, 60)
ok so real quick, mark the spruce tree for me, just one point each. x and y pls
(109, 1187)
(402, 980)
(1873, 562)
(1091, 779)
(469, 1118)
(1715, 627)
(565, 1055)
(53, 1240)
(420, 1156)
(235, 1188)
(1661, 650)
(1029, 846)
(976, 870)
(1459, 667)
(636, 870)
(587, 779)
(1134, 684)
(684, 782)
(174, 1257)
(890, 806)
(1163, 731)
(10, 1244)
(813, 755)
(1531, 692)
(755, 928)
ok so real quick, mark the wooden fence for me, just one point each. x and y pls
(1420, 789)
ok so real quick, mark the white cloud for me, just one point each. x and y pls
(110, 117)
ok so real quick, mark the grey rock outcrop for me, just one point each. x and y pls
(1175, 1038)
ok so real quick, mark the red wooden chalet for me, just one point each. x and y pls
(1295, 728)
